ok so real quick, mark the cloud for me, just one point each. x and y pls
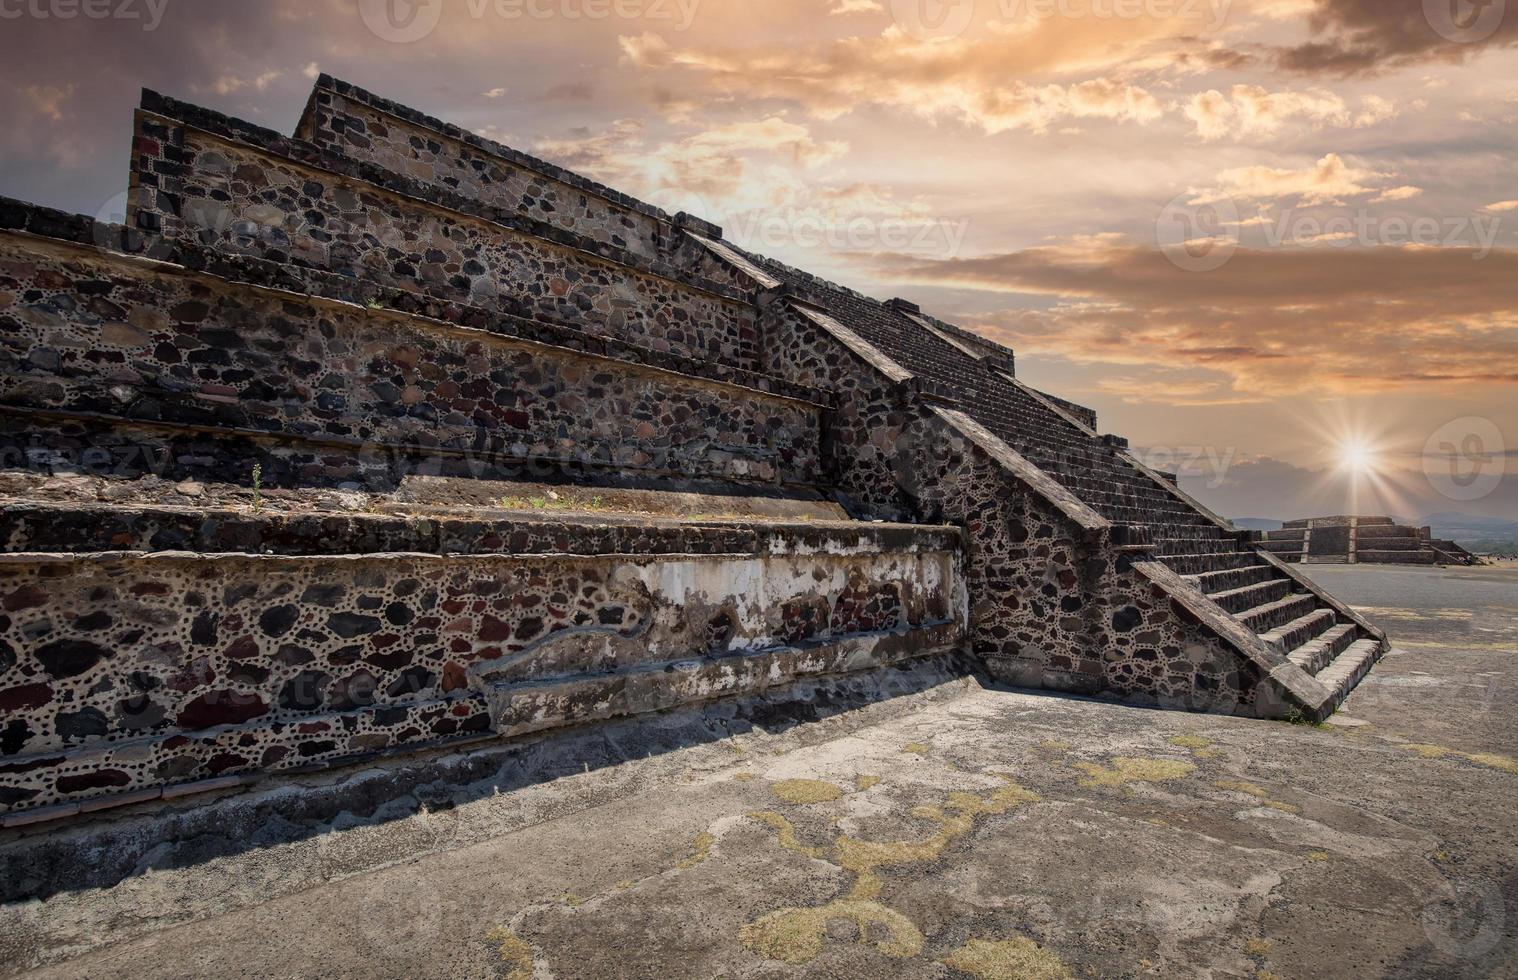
(1503, 206)
(1156, 389)
(495, 93)
(1396, 194)
(47, 101)
(984, 80)
(1327, 181)
(856, 7)
(230, 84)
(1269, 322)
(1353, 37)
(1252, 111)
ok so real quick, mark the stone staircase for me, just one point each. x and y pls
(1293, 619)
(1295, 622)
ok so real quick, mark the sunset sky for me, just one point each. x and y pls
(1345, 171)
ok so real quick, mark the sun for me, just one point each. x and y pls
(1357, 457)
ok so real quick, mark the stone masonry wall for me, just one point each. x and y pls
(252, 201)
(868, 433)
(91, 332)
(126, 673)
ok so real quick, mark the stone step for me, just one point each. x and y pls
(1264, 618)
(1188, 546)
(1199, 563)
(1292, 635)
(1319, 653)
(1231, 578)
(1350, 667)
(1419, 557)
(1253, 596)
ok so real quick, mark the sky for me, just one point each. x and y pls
(1272, 242)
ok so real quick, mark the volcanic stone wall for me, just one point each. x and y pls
(128, 673)
(105, 335)
(254, 194)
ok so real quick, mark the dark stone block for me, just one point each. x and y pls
(84, 724)
(70, 658)
(103, 779)
(221, 708)
(278, 621)
(14, 736)
(350, 625)
(1126, 620)
(305, 691)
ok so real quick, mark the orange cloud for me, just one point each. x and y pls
(979, 78)
(1329, 180)
(1253, 111)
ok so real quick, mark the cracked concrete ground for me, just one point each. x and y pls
(957, 831)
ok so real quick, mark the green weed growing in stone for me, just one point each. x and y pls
(1294, 716)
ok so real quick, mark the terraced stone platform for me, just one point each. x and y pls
(384, 434)
(1367, 540)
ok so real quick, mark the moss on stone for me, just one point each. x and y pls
(1126, 770)
(1007, 959)
(804, 791)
